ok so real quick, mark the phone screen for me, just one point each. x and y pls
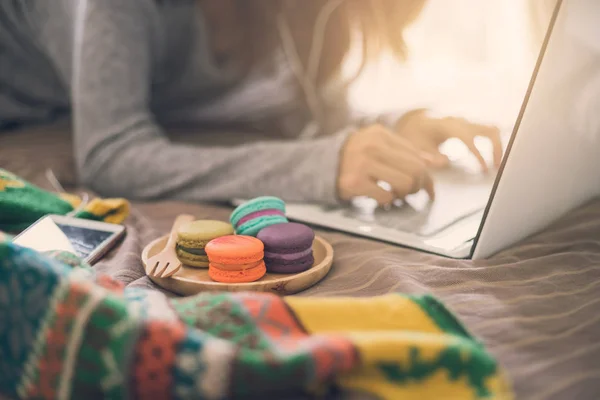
(84, 240)
(77, 238)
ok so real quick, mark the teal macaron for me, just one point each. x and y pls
(251, 217)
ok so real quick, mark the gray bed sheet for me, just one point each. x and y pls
(535, 306)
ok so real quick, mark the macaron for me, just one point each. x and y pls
(235, 259)
(288, 247)
(193, 237)
(249, 218)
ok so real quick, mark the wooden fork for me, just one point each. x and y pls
(166, 263)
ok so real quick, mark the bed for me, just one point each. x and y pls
(535, 305)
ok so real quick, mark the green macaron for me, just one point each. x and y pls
(256, 214)
(193, 237)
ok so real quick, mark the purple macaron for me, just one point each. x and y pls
(288, 247)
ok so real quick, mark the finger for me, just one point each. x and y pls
(374, 191)
(401, 159)
(401, 183)
(429, 186)
(428, 151)
(493, 133)
(470, 131)
(399, 142)
(420, 152)
(435, 159)
(425, 181)
(442, 160)
(473, 149)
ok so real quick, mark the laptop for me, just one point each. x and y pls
(550, 167)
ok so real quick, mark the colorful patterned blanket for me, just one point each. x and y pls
(66, 332)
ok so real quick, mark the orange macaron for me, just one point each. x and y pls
(235, 259)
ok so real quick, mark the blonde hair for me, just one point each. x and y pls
(380, 25)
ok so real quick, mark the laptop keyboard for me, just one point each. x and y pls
(406, 218)
(460, 193)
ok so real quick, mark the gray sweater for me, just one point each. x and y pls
(125, 70)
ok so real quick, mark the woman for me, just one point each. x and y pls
(125, 70)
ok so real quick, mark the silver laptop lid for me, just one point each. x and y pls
(552, 162)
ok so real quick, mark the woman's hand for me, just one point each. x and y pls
(427, 134)
(377, 154)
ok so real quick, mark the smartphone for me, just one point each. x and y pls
(89, 240)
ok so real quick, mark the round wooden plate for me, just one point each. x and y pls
(189, 281)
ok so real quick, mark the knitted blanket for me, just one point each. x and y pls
(67, 332)
(22, 203)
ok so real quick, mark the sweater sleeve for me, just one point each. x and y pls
(121, 151)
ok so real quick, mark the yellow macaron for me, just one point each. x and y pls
(193, 237)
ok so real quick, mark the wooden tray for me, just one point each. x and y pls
(189, 281)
